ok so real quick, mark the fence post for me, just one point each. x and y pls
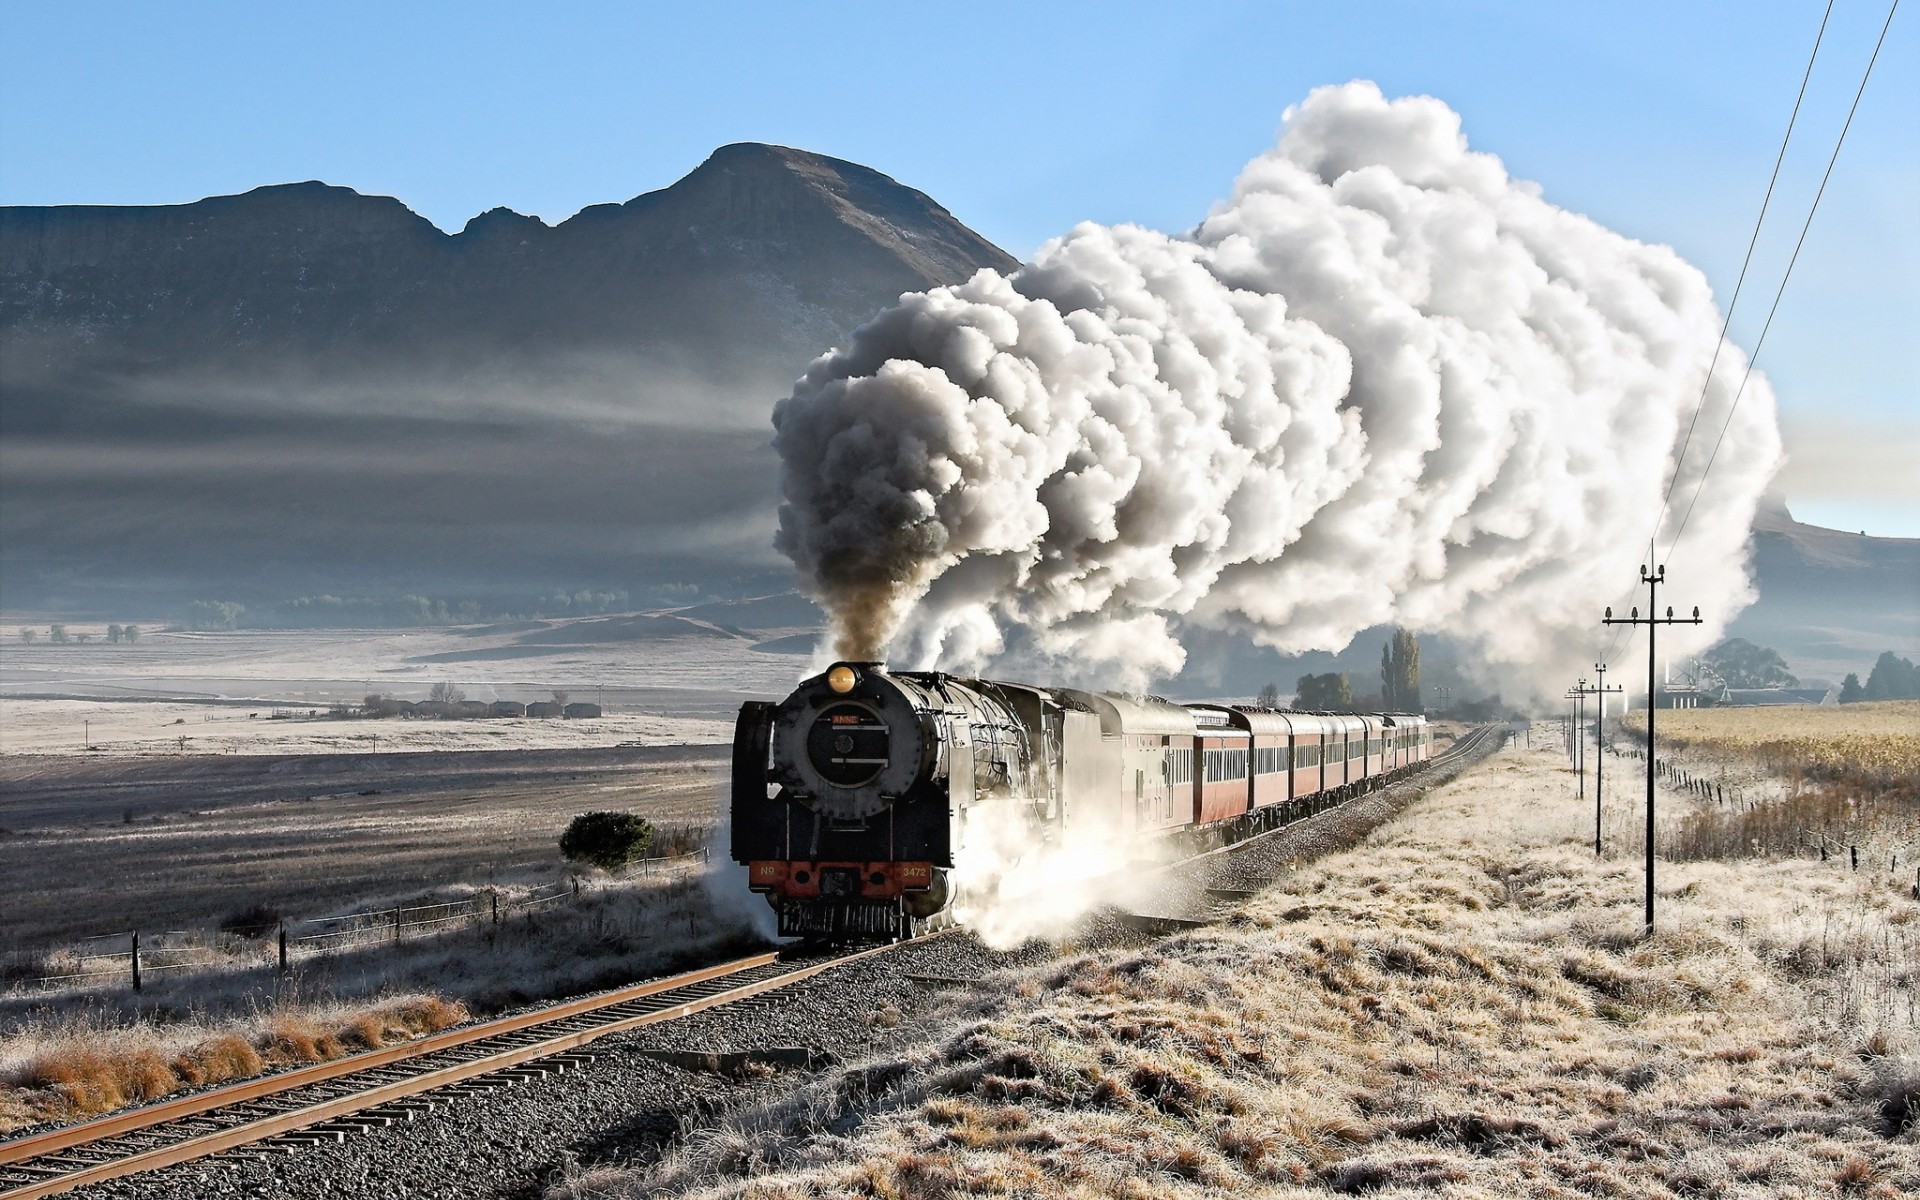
(1854, 853)
(136, 960)
(496, 907)
(396, 926)
(283, 947)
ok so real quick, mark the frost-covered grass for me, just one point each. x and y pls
(72, 1055)
(1461, 1006)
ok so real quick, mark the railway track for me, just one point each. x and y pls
(329, 1101)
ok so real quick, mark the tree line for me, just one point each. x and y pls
(60, 635)
(1892, 678)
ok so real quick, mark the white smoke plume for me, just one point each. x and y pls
(1013, 888)
(1383, 382)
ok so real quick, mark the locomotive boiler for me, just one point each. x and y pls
(852, 796)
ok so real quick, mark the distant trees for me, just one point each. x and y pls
(1850, 690)
(27, 635)
(130, 632)
(57, 634)
(445, 693)
(1332, 692)
(1400, 672)
(1892, 678)
(215, 614)
(1745, 665)
(115, 633)
(606, 839)
(560, 697)
(1269, 696)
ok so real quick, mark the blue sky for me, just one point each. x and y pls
(1658, 119)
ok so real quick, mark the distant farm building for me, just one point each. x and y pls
(506, 708)
(545, 708)
(469, 709)
(576, 711)
(1751, 697)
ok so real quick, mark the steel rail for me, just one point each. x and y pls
(23, 1153)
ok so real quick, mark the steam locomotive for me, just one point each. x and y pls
(851, 796)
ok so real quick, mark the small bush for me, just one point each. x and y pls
(253, 921)
(608, 840)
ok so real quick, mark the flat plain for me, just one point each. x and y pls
(96, 846)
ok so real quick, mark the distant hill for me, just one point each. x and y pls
(306, 387)
(1831, 601)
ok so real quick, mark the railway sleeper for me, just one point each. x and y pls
(315, 1135)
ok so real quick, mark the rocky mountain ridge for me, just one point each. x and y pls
(305, 388)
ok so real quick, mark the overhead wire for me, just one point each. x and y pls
(1700, 484)
(1726, 324)
(1700, 406)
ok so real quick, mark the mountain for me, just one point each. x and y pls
(1830, 601)
(303, 386)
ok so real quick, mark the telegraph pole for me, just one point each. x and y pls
(1599, 750)
(1653, 579)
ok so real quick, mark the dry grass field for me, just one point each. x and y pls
(1790, 781)
(101, 846)
(1875, 743)
(1462, 1006)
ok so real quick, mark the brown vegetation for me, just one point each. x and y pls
(1794, 780)
(67, 1056)
(72, 1074)
(1874, 744)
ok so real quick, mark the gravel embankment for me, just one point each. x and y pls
(622, 1107)
(626, 1106)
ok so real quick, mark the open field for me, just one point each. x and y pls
(662, 679)
(520, 661)
(119, 727)
(1865, 742)
(1461, 1006)
(105, 844)
(1799, 780)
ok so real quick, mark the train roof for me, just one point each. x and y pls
(1120, 714)
(1252, 720)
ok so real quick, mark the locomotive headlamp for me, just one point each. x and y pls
(842, 678)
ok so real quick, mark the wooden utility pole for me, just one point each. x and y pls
(1599, 692)
(1653, 579)
(1576, 740)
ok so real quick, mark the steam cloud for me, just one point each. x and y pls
(1383, 382)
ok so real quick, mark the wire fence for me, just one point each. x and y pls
(131, 956)
(1859, 837)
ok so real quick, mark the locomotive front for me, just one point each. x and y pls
(844, 808)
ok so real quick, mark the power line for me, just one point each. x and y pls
(1720, 342)
(1788, 274)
